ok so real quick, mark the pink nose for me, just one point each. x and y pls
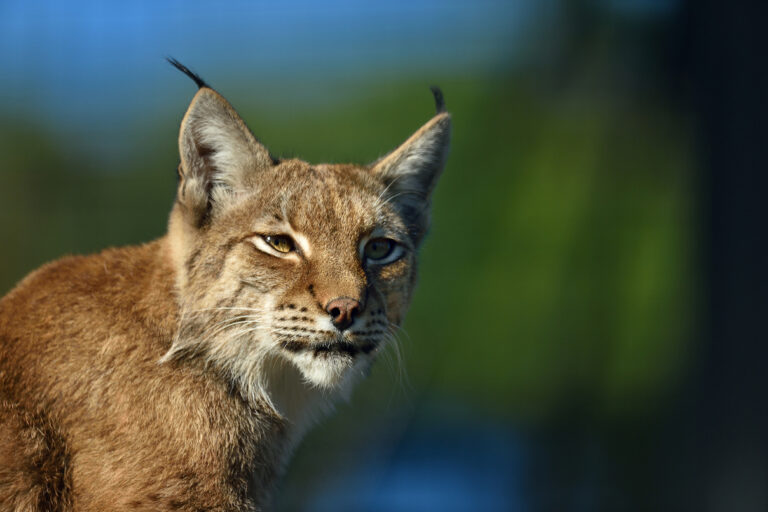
(343, 311)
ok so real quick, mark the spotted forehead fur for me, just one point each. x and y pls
(325, 202)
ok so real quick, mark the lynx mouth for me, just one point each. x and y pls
(338, 346)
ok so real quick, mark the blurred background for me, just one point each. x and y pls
(587, 330)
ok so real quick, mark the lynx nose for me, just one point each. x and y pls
(343, 311)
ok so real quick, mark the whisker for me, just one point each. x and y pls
(231, 324)
(399, 329)
(402, 373)
(378, 199)
(243, 308)
(391, 198)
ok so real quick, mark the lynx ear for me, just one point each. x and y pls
(217, 152)
(411, 171)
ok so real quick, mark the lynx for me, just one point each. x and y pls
(180, 374)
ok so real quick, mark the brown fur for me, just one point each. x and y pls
(179, 375)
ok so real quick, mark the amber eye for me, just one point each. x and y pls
(280, 243)
(379, 248)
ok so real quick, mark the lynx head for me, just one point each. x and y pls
(285, 266)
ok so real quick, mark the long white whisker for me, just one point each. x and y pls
(226, 326)
(391, 198)
(378, 199)
(258, 310)
(403, 379)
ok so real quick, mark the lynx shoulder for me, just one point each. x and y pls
(180, 374)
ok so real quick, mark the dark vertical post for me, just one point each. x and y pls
(721, 442)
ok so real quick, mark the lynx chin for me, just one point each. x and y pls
(180, 374)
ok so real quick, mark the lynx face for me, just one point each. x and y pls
(283, 264)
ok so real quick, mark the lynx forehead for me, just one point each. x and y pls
(180, 374)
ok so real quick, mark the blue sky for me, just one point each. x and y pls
(63, 56)
(87, 63)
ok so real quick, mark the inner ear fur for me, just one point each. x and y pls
(217, 152)
(416, 164)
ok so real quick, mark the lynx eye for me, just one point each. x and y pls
(382, 250)
(280, 243)
(280, 246)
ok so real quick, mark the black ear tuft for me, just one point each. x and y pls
(184, 69)
(439, 101)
